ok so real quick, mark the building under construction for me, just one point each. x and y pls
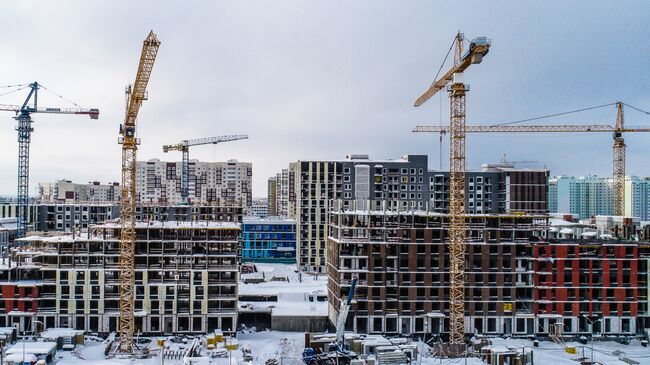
(517, 282)
(185, 281)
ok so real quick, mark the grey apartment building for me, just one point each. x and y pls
(401, 184)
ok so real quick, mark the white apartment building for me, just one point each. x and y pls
(260, 207)
(67, 192)
(211, 183)
(283, 193)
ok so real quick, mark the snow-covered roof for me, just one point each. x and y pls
(32, 347)
(269, 220)
(566, 231)
(561, 222)
(177, 224)
(19, 357)
(60, 332)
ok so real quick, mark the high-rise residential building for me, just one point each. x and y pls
(269, 240)
(186, 279)
(260, 207)
(586, 196)
(272, 195)
(67, 192)
(283, 193)
(211, 183)
(517, 282)
(637, 197)
(402, 184)
(282, 190)
(291, 203)
(401, 261)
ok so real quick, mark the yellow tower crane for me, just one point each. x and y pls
(618, 175)
(135, 95)
(478, 48)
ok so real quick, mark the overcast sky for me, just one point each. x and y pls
(319, 80)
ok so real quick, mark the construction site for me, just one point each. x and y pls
(359, 261)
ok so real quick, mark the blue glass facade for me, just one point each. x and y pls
(269, 240)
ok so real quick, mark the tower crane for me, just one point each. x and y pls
(478, 48)
(25, 129)
(135, 95)
(184, 146)
(618, 174)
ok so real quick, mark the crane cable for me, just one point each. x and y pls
(569, 112)
(637, 109)
(553, 115)
(443, 62)
(60, 96)
(13, 91)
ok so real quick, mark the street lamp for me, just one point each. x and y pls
(591, 324)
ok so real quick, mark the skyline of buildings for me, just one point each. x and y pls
(589, 196)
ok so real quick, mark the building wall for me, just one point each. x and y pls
(283, 193)
(186, 280)
(272, 195)
(595, 279)
(9, 210)
(402, 184)
(586, 196)
(516, 282)
(269, 240)
(260, 208)
(175, 214)
(211, 183)
(637, 197)
(317, 183)
(65, 191)
(66, 217)
(401, 262)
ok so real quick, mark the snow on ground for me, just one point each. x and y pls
(293, 295)
(287, 347)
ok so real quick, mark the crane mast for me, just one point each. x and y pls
(184, 147)
(618, 174)
(478, 48)
(619, 148)
(135, 95)
(25, 129)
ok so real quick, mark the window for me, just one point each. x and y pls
(412, 171)
(479, 179)
(405, 171)
(346, 170)
(346, 178)
(420, 171)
